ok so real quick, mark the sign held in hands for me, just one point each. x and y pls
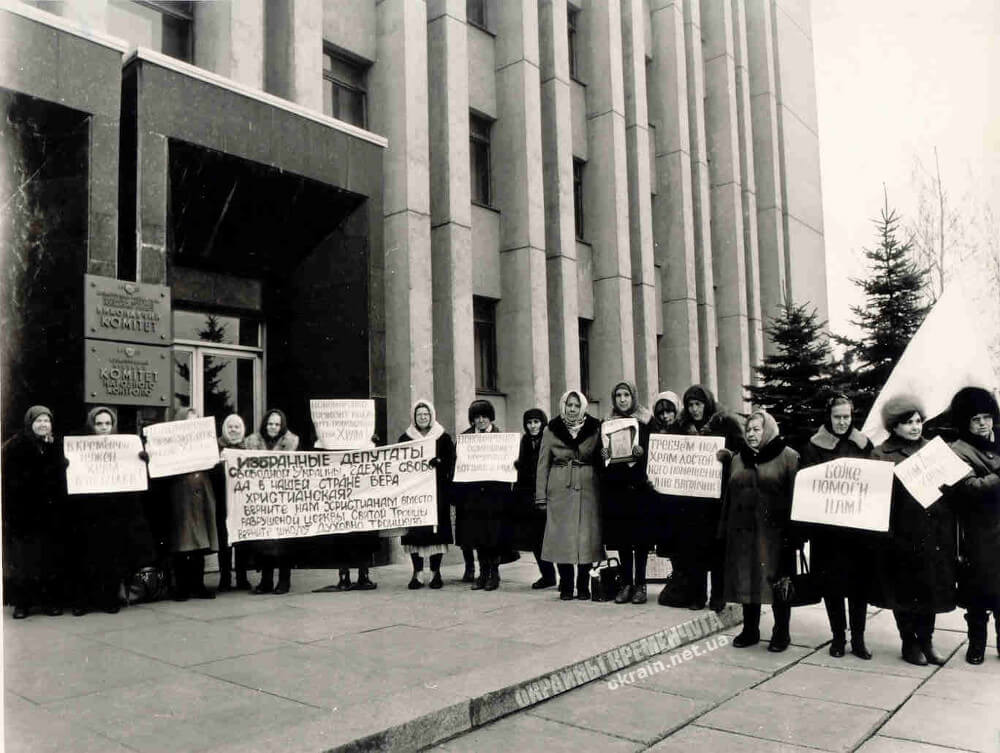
(487, 456)
(685, 465)
(925, 472)
(344, 424)
(104, 464)
(847, 492)
(177, 447)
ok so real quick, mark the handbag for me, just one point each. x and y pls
(799, 589)
(148, 584)
(606, 579)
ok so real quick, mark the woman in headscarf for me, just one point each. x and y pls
(975, 415)
(231, 438)
(485, 508)
(841, 558)
(113, 535)
(915, 569)
(36, 529)
(431, 541)
(529, 520)
(756, 519)
(624, 508)
(567, 487)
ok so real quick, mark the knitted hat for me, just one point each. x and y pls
(34, 412)
(900, 407)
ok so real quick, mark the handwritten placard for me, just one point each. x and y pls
(279, 495)
(848, 492)
(487, 456)
(177, 447)
(620, 436)
(685, 465)
(344, 424)
(104, 464)
(924, 472)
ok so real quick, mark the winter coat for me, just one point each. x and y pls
(915, 568)
(977, 502)
(444, 450)
(625, 500)
(840, 558)
(483, 510)
(267, 548)
(567, 483)
(192, 507)
(755, 519)
(528, 518)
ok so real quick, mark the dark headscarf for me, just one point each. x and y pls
(638, 411)
(969, 402)
(270, 441)
(92, 415)
(29, 418)
(702, 394)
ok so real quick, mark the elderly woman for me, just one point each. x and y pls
(915, 570)
(36, 529)
(232, 438)
(841, 557)
(566, 485)
(624, 502)
(975, 415)
(529, 520)
(755, 518)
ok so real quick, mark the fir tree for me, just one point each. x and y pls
(795, 379)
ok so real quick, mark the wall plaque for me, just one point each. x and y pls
(126, 374)
(127, 311)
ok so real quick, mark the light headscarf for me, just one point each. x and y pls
(573, 425)
(436, 429)
(771, 430)
(232, 418)
(668, 397)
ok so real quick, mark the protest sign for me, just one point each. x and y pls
(104, 463)
(847, 492)
(280, 495)
(344, 424)
(685, 465)
(924, 472)
(487, 457)
(177, 447)
(620, 436)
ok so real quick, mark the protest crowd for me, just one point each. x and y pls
(723, 496)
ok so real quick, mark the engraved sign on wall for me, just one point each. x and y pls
(126, 311)
(126, 374)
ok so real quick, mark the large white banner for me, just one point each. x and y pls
(104, 463)
(344, 424)
(177, 447)
(280, 495)
(847, 492)
(685, 465)
(924, 472)
(487, 457)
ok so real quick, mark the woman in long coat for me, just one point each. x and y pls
(624, 501)
(841, 558)
(232, 437)
(528, 518)
(756, 522)
(567, 486)
(915, 569)
(976, 498)
(36, 528)
(428, 541)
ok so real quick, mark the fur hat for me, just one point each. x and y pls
(969, 402)
(481, 408)
(900, 407)
(534, 413)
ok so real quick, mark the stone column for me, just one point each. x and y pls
(728, 249)
(151, 217)
(293, 62)
(229, 40)
(522, 316)
(640, 211)
(606, 197)
(560, 230)
(451, 233)
(673, 205)
(398, 111)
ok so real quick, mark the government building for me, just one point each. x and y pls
(398, 199)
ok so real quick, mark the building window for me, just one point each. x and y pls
(479, 160)
(572, 16)
(344, 90)
(475, 12)
(585, 356)
(578, 197)
(484, 329)
(160, 25)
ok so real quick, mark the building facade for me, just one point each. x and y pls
(409, 198)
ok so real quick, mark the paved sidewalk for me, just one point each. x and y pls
(389, 669)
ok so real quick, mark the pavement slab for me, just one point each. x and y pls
(989, 668)
(527, 732)
(30, 728)
(964, 685)
(758, 657)
(946, 722)
(843, 686)
(880, 744)
(701, 680)
(694, 738)
(788, 719)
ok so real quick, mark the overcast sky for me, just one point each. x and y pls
(894, 79)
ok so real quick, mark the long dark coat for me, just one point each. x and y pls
(483, 511)
(755, 519)
(625, 501)
(567, 482)
(915, 568)
(977, 501)
(444, 450)
(661, 513)
(841, 558)
(192, 505)
(528, 518)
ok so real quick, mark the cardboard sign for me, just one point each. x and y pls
(487, 457)
(926, 471)
(104, 464)
(847, 492)
(685, 465)
(177, 447)
(280, 495)
(344, 424)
